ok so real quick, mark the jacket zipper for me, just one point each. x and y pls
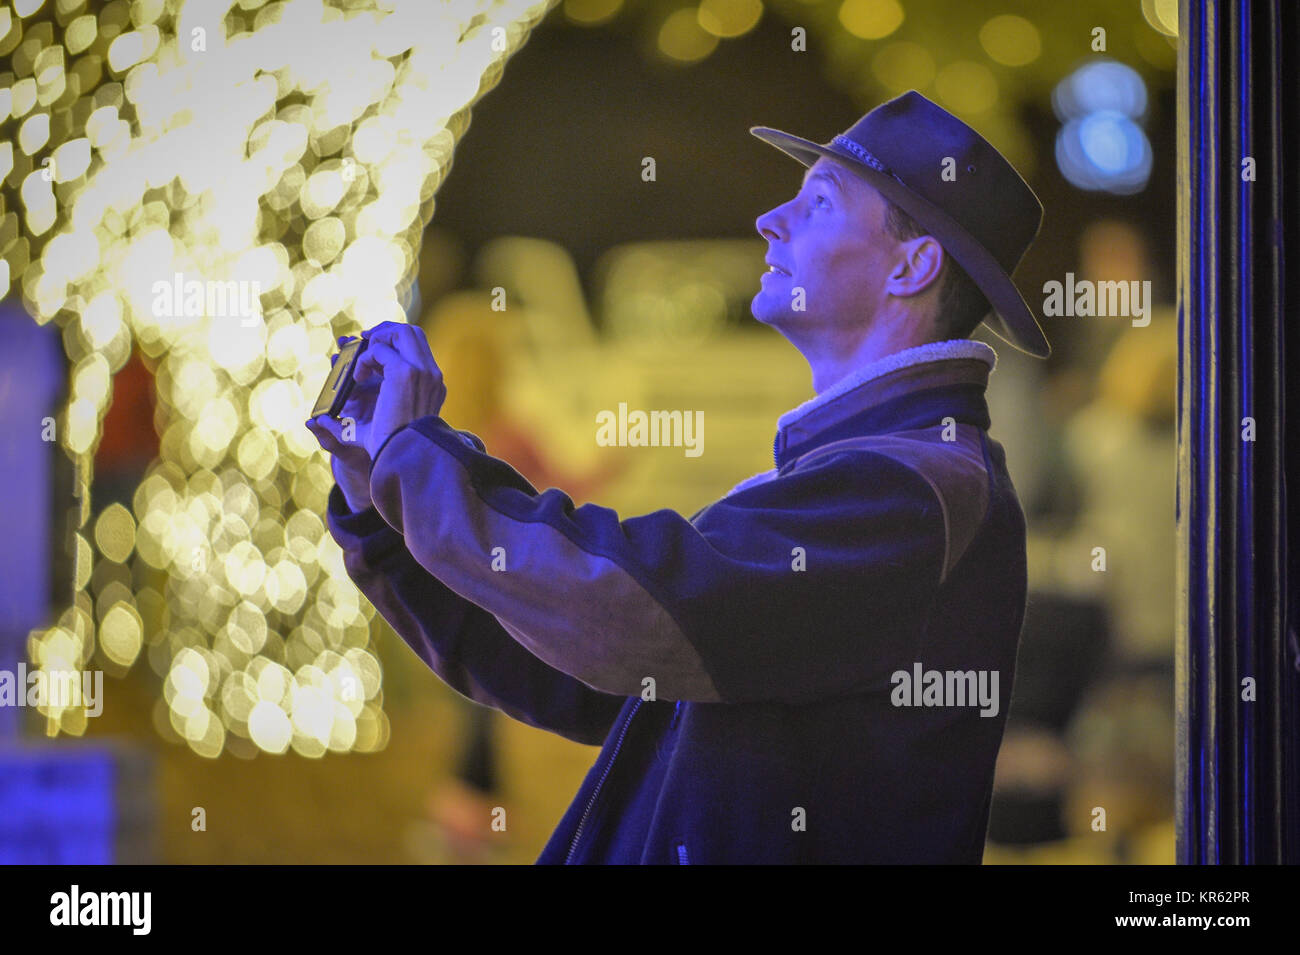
(577, 833)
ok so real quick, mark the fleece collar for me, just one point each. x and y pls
(957, 361)
(918, 354)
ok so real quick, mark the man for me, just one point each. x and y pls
(814, 668)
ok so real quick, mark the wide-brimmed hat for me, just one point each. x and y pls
(982, 212)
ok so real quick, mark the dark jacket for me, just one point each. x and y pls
(743, 668)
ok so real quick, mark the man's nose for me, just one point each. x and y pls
(770, 224)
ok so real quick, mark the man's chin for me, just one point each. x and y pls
(767, 312)
(771, 314)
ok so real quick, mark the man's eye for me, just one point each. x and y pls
(823, 199)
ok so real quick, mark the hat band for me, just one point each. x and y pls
(845, 143)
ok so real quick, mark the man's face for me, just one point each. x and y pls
(831, 240)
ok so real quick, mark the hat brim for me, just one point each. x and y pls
(1012, 320)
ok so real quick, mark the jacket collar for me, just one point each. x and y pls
(913, 388)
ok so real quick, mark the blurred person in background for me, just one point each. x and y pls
(1123, 450)
(1123, 446)
(1093, 713)
(1097, 634)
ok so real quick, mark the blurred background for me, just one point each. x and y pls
(478, 168)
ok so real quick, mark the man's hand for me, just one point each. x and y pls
(397, 361)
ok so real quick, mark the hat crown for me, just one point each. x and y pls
(919, 143)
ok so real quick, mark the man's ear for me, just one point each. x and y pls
(918, 267)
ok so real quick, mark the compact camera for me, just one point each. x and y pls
(339, 384)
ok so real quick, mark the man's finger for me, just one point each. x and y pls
(343, 340)
(378, 360)
(408, 340)
(326, 439)
(360, 406)
(330, 434)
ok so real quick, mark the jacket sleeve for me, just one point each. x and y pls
(816, 583)
(459, 641)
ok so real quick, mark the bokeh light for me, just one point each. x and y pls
(228, 191)
(1100, 85)
(903, 65)
(966, 87)
(591, 12)
(682, 39)
(1011, 40)
(729, 18)
(1104, 151)
(871, 19)
(1162, 15)
(1101, 146)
